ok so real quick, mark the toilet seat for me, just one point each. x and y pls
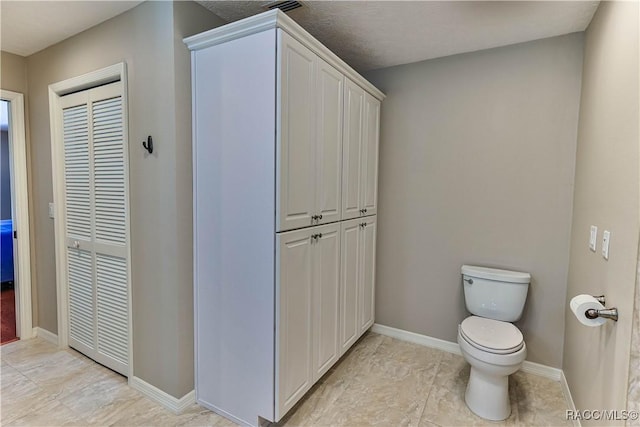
(492, 336)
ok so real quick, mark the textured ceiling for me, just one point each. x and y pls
(27, 27)
(366, 34)
(377, 34)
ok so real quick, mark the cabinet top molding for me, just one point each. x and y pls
(277, 19)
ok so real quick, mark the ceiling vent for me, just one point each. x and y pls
(285, 6)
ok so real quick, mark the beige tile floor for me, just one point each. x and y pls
(381, 381)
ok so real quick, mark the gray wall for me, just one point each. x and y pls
(596, 360)
(148, 39)
(13, 77)
(477, 159)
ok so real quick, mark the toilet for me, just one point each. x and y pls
(489, 342)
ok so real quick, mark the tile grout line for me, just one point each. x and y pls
(424, 407)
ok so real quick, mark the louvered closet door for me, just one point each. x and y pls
(96, 224)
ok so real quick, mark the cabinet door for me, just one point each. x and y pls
(349, 281)
(329, 91)
(293, 318)
(326, 285)
(367, 273)
(369, 167)
(351, 149)
(296, 148)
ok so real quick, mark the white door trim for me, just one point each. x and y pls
(117, 72)
(24, 328)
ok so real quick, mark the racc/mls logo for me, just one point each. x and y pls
(601, 415)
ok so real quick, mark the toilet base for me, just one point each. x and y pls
(488, 395)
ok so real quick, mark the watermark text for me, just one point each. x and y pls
(602, 415)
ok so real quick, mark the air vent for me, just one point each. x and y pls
(285, 6)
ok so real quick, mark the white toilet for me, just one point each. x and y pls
(492, 345)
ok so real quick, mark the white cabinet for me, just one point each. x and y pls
(357, 279)
(307, 307)
(285, 146)
(369, 156)
(349, 280)
(326, 301)
(309, 140)
(294, 322)
(296, 145)
(352, 150)
(366, 294)
(360, 153)
(329, 94)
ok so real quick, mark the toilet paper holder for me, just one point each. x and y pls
(605, 313)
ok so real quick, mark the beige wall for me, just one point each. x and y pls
(476, 167)
(13, 77)
(189, 19)
(147, 39)
(633, 396)
(596, 360)
(13, 73)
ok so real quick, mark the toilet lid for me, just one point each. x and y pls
(491, 335)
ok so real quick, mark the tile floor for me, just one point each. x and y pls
(381, 381)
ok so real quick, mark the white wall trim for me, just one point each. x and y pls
(542, 370)
(401, 334)
(452, 347)
(113, 73)
(173, 404)
(20, 212)
(567, 395)
(45, 335)
(278, 19)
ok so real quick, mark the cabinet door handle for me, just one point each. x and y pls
(364, 210)
(320, 216)
(314, 217)
(319, 235)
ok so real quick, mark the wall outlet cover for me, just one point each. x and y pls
(606, 239)
(593, 238)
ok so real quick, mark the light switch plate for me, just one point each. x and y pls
(606, 238)
(593, 238)
(52, 210)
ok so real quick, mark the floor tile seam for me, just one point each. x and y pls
(348, 379)
(29, 367)
(424, 405)
(28, 378)
(73, 411)
(56, 380)
(379, 342)
(49, 398)
(433, 383)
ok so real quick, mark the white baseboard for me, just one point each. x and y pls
(567, 396)
(452, 347)
(173, 404)
(45, 335)
(401, 334)
(542, 370)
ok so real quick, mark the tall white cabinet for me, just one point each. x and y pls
(285, 165)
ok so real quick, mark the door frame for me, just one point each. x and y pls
(113, 73)
(20, 212)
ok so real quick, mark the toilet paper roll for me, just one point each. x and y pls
(580, 304)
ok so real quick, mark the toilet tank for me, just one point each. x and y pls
(495, 294)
